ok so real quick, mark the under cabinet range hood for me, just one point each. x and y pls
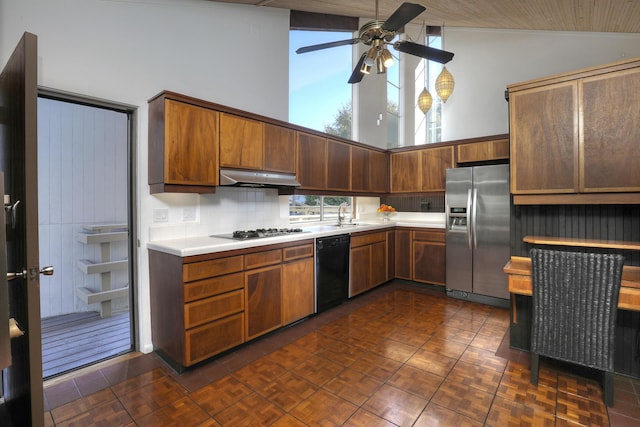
(249, 178)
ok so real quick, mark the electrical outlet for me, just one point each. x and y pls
(189, 214)
(160, 215)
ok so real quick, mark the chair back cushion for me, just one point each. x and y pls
(575, 302)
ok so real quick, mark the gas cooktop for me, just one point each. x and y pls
(260, 233)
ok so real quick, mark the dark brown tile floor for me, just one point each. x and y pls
(401, 355)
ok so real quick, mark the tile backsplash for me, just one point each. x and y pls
(227, 210)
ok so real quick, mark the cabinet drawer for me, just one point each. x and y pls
(297, 252)
(212, 268)
(213, 286)
(213, 338)
(429, 236)
(206, 310)
(261, 259)
(367, 239)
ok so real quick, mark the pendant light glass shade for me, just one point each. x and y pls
(445, 84)
(425, 100)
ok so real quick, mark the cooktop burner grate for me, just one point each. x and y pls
(264, 232)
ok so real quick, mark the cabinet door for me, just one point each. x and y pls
(391, 255)
(213, 338)
(279, 149)
(312, 161)
(435, 162)
(378, 264)
(191, 144)
(263, 307)
(544, 139)
(298, 292)
(483, 151)
(360, 169)
(429, 262)
(610, 132)
(338, 166)
(406, 172)
(378, 171)
(403, 254)
(359, 270)
(240, 142)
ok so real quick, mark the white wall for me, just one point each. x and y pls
(486, 61)
(129, 50)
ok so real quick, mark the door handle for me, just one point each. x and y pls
(17, 275)
(469, 218)
(45, 271)
(474, 218)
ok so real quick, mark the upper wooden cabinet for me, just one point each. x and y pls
(406, 171)
(240, 142)
(338, 166)
(312, 161)
(183, 147)
(369, 170)
(435, 162)
(483, 151)
(576, 134)
(610, 132)
(252, 144)
(544, 139)
(279, 149)
(420, 170)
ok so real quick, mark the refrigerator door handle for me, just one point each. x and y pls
(468, 213)
(474, 218)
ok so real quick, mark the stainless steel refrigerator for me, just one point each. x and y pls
(477, 231)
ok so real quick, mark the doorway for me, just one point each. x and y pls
(86, 229)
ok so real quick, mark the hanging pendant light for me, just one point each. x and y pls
(445, 81)
(425, 100)
(445, 84)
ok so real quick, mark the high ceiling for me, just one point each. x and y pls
(620, 16)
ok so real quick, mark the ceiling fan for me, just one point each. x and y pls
(379, 33)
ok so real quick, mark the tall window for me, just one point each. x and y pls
(319, 95)
(393, 101)
(433, 125)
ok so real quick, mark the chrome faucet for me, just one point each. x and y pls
(340, 212)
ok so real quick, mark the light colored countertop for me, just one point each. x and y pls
(191, 246)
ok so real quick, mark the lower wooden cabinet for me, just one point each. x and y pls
(213, 338)
(263, 300)
(206, 304)
(368, 262)
(403, 254)
(420, 255)
(429, 253)
(298, 287)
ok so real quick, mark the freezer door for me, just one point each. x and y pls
(490, 225)
(459, 257)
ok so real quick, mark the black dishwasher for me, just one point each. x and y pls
(332, 271)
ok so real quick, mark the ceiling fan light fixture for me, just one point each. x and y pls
(380, 68)
(425, 100)
(366, 68)
(370, 59)
(387, 58)
(445, 84)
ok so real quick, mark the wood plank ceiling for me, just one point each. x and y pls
(616, 16)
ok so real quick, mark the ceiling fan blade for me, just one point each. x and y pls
(405, 13)
(357, 75)
(430, 53)
(327, 45)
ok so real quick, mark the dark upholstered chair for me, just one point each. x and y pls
(575, 301)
